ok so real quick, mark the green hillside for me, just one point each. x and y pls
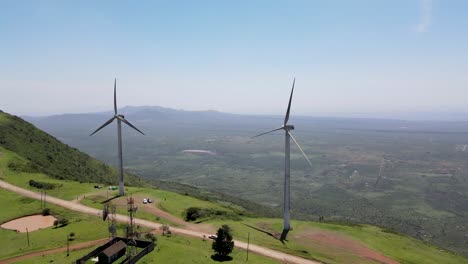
(48, 155)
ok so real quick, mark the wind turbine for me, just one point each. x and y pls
(287, 128)
(120, 119)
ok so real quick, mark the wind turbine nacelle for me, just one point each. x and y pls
(289, 127)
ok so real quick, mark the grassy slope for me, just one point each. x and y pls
(399, 247)
(48, 155)
(66, 189)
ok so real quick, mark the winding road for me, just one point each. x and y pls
(284, 257)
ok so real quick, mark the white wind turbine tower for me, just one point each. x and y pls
(287, 128)
(120, 119)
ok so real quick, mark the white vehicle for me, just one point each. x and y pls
(145, 201)
(213, 236)
(150, 201)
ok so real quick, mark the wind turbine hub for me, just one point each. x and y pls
(289, 127)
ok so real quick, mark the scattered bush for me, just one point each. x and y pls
(165, 230)
(151, 237)
(63, 222)
(45, 211)
(42, 185)
(195, 213)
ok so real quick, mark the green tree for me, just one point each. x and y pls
(223, 244)
(192, 213)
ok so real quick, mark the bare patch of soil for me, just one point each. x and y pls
(343, 242)
(32, 223)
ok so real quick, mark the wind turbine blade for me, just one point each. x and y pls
(267, 132)
(303, 153)
(129, 124)
(115, 96)
(289, 105)
(105, 124)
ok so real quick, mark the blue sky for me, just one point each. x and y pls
(348, 57)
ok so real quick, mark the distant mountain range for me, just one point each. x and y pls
(156, 116)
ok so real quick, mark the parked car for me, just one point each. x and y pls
(145, 201)
(150, 201)
(213, 236)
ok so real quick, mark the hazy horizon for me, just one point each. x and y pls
(410, 116)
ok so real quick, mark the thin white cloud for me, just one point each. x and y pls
(425, 16)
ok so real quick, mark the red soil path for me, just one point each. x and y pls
(345, 243)
(54, 251)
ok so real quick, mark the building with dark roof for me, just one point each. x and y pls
(112, 253)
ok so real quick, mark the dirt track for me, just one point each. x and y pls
(344, 243)
(286, 258)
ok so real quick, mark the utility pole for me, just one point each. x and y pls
(248, 242)
(27, 234)
(68, 246)
(45, 196)
(41, 199)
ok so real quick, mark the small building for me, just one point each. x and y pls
(112, 253)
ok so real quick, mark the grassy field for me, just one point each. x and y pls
(13, 244)
(175, 249)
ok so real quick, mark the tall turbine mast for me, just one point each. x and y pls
(120, 119)
(287, 150)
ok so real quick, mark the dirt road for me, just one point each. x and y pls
(286, 258)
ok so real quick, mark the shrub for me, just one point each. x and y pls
(63, 222)
(42, 185)
(165, 230)
(45, 211)
(192, 213)
(151, 237)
